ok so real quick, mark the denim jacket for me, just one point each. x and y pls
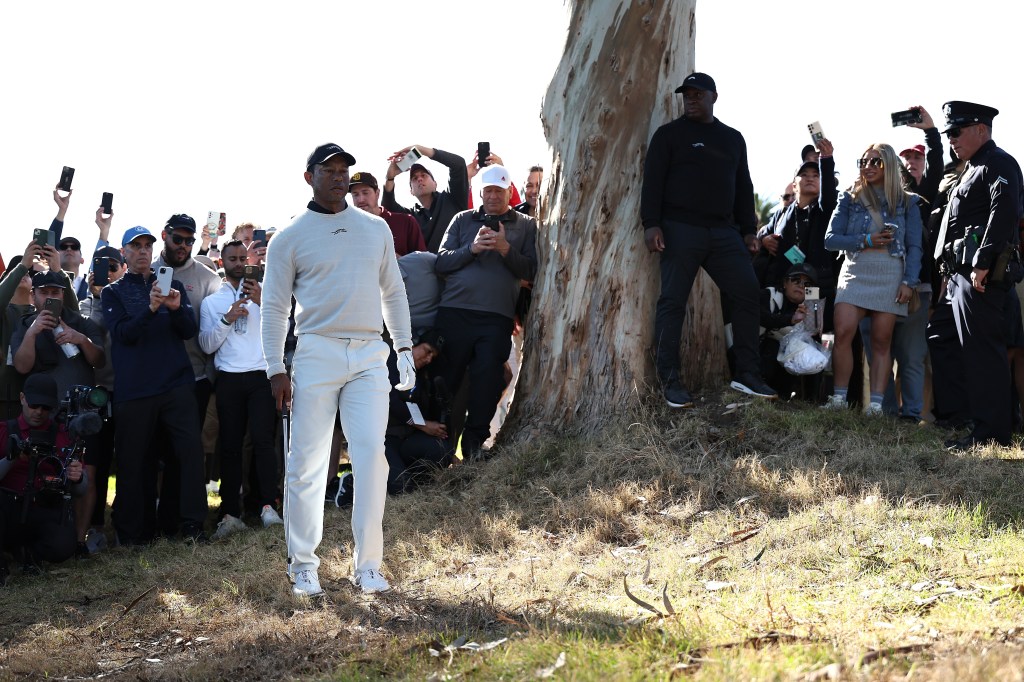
(851, 221)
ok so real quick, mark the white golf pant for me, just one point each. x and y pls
(331, 375)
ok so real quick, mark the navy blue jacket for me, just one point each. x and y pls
(148, 348)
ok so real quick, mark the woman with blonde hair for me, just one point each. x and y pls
(877, 225)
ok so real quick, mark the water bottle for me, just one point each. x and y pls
(70, 349)
(242, 323)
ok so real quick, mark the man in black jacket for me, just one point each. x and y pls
(697, 208)
(434, 210)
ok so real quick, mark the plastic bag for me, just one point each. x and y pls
(800, 354)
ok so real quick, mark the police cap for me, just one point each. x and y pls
(967, 113)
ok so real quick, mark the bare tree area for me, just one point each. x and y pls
(591, 327)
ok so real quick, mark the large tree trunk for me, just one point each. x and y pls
(590, 332)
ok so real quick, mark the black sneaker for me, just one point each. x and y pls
(677, 396)
(751, 384)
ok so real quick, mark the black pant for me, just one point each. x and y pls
(169, 513)
(246, 397)
(101, 455)
(970, 367)
(48, 532)
(412, 458)
(174, 414)
(720, 251)
(478, 342)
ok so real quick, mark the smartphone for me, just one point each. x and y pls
(42, 237)
(888, 228)
(816, 132)
(164, 275)
(66, 176)
(54, 305)
(902, 118)
(101, 271)
(259, 237)
(811, 292)
(252, 272)
(107, 202)
(411, 157)
(483, 150)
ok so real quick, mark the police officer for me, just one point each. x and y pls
(966, 334)
(696, 208)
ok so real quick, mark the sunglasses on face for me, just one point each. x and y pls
(41, 407)
(67, 247)
(802, 281)
(787, 197)
(179, 240)
(114, 267)
(954, 133)
(874, 163)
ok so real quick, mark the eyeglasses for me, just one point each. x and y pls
(179, 240)
(114, 267)
(67, 247)
(787, 197)
(802, 281)
(954, 133)
(876, 162)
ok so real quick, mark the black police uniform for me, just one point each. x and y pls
(966, 334)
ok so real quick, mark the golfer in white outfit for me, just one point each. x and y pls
(339, 264)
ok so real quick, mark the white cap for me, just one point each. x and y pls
(495, 176)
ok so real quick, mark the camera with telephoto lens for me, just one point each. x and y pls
(40, 448)
(83, 410)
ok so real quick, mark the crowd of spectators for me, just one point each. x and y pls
(143, 360)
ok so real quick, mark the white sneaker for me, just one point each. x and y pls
(228, 525)
(270, 517)
(307, 584)
(370, 581)
(874, 410)
(835, 402)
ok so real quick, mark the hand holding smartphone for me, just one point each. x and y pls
(902, 118)
(66, 176)
(411, 157)
(164, 276)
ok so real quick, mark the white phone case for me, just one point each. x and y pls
(164, 275)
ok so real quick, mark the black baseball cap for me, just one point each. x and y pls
(363, 178)
(804, 166)
(967, 113)
(326, 151)
(48, 278)
(109, 252)
(804, 269)
(181, 221)
(808, 149)
(41, 389)
(698, 80)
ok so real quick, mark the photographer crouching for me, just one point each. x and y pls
(36, 481)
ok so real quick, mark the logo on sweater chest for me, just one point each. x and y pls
(340, 229)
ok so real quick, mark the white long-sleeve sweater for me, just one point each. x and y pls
(341, 269)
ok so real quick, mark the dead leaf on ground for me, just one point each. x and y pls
(637, 600)
(550, 670)
(709, 563)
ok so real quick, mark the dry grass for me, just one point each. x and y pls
(774, 542)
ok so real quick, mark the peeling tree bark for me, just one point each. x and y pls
(590, 331)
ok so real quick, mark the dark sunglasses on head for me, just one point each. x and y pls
(955, 132)
(179, 240)
(874, 163)
(67, 247)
